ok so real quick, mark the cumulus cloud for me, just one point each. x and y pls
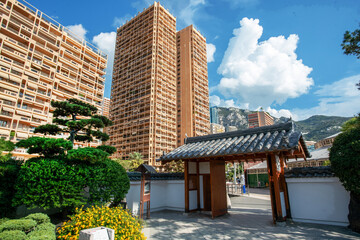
(340, 98)
(106, 43)
(262, 73)
(280, 113)
(210, 50)
(78, 30)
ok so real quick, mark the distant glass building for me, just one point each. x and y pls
(214, 115)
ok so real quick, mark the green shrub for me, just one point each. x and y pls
(9, 171)
(25, 225)
(42, 235)
(124, 224)
(107, 148)
(87, 155)
(50, 183)
(2, 220)
(12, 235)
(45, 226)
(39, 218)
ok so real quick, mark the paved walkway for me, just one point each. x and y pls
(249, 218)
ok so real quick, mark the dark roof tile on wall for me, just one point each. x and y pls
(136, 176)
(309, 172)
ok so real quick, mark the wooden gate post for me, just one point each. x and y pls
(277, 193)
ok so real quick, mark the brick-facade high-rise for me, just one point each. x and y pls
(143, 96)
(193, 116)
(159, 85)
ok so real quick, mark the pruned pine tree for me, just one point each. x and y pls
(77, 118)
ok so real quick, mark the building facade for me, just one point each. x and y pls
(214, 115)
(192, 85)
(259, 119)
(106, 107)
(159, 90)
(143, 95)
(42, 61)
(216, 128)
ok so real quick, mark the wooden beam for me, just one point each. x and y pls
(186, 177)
(198, 185)
(271, 188)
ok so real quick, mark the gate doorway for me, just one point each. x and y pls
(274, 144)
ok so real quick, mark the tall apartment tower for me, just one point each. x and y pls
(192, 85)
(143, 95)
(214, 115)
(259, 119)
(41, 61)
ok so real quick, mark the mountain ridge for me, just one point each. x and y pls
(313, 128)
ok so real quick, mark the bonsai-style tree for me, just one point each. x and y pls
(77, 118)
(345, 163)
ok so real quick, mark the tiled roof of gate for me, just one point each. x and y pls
(277, 137)
(309, 172)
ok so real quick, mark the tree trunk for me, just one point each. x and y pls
(354, 212)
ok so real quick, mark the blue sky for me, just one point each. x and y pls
(284, 56)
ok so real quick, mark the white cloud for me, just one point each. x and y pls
(262, 73)
(280, 113)
(210, 50)
(119, 21)
(340, 98)
(187, 13)
(106, 43)
(217, 101)
(78, 30)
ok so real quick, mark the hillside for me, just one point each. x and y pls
(314, 128)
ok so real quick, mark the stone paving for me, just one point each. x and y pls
(249, 218)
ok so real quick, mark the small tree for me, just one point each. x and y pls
(351, 45)
(345, 163)
(9, 170)
(66, 115)
(135, 160)
(174, 166)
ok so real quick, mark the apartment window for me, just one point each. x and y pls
(3, 123)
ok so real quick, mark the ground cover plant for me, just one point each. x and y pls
(125, 225)
(35, 226)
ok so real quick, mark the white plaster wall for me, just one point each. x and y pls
(167, 194)
(318, 200)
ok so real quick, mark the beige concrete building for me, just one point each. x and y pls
(216, 128)
(260, 119)
(160, 86)
(41, 61)
(106, 107)
(143, 96)
(193, 116)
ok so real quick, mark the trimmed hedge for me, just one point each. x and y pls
(42, 235)
(39, 218)
(13, 235)
(25, 225)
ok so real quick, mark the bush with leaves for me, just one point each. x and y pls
(87, 154)
(46, 147)
(35, 226)
(345, 163)
(58, 183)
(124, 224)
(106, 148)
(12, 235)
(9, 170)
(50, 183)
